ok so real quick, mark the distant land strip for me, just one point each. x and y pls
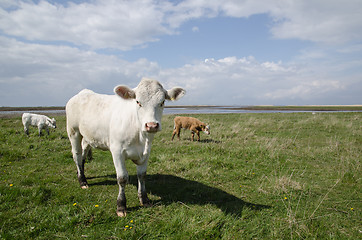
(259, 107)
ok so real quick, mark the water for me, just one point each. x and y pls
(222, 109)
(45, 112)
(210, 110)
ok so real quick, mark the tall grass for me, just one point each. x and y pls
(262, 176)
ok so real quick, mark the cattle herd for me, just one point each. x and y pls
(124, 123)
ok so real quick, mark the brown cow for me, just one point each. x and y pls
(194, 124)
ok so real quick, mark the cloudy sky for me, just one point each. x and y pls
(229, 52)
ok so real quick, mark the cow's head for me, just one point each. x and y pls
(52, 123)
(149, 99)
(206, 129)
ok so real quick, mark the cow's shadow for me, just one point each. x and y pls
(210, 141)
(173, 189)
(205, 140)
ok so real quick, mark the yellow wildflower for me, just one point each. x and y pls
(74, 204)
(285, 198)
(11, 185)
(131, 221)
(96, 205)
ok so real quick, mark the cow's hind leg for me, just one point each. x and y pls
(142, 194)
(176, 130)
(173, 134)
(87, 151)
(178, 133)
(75, 139)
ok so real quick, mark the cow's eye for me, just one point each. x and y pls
(163, 103)
(139, 104)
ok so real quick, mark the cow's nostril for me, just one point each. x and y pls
(152, 126)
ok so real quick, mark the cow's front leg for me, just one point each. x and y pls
(121, 199)
(122, 179)
(142, 193)
(198, 135)
(26, 130)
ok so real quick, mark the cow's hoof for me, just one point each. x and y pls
(144, 200)
(121, 213)
(147, 204)
(83, 182)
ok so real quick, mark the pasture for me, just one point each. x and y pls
(257, 176)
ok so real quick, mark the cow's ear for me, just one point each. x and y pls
(124, 92)
(175, 93)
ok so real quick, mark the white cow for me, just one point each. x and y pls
(124, 123)
(41, 121)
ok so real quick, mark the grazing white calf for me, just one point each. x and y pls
(124, 123)
(41, 121)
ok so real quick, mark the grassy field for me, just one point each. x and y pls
(257, 176)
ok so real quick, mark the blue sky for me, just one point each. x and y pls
(231, 52)
(217, 38)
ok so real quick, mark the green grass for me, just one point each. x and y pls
(257, 176)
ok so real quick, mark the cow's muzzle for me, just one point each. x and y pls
(152, 127)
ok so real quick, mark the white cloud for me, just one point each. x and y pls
(244, 81)
(305, 90)
(195, 29)
(325, 21)
(35, 74)
(127, 24)
(99, 24)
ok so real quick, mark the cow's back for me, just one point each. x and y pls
(186, 122)
(87, 104)
(89, 114)
(33, 119)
